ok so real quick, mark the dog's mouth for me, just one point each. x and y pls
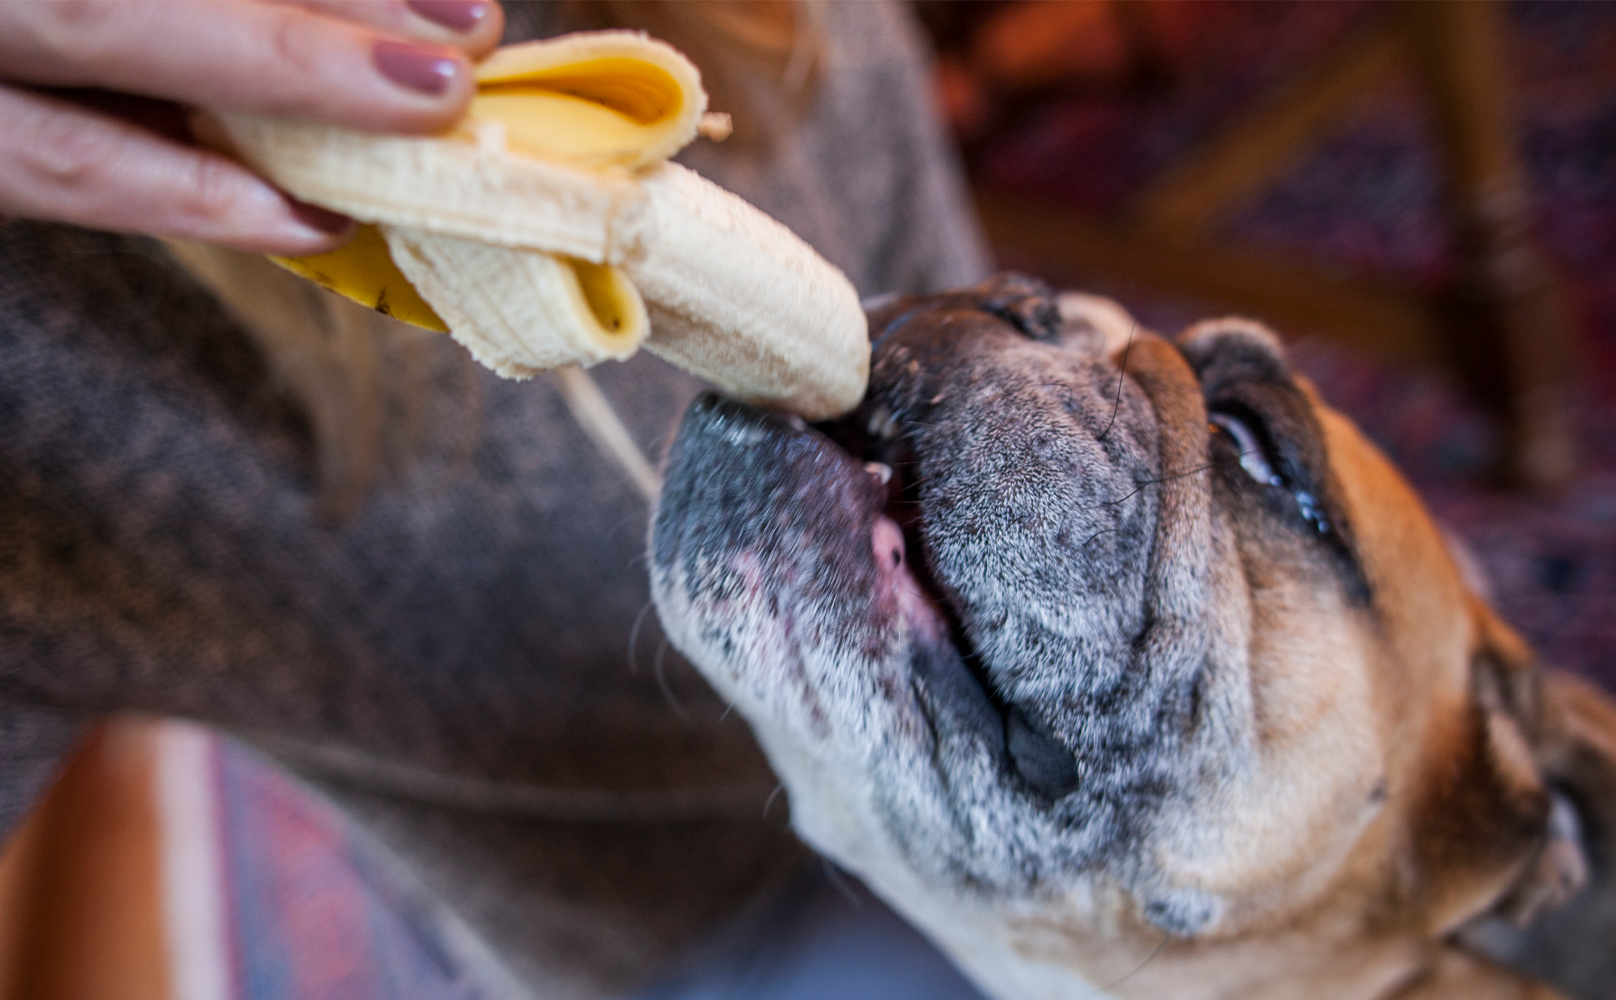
(874, 437)
(954, 545)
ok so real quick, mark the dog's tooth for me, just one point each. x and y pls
(882, 425)
(879, 470)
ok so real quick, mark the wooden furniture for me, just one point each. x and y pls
(113, 888)
(80, 882)
(1500, 324)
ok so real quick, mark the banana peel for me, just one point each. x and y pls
(363, 270)
(546, 228)
(592, 100)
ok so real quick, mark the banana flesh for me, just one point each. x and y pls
(546, 228)
(793, 333)
(494, 299)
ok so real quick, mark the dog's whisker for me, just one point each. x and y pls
(1097, 534)
(1122, 370)
(769, 802)
(1170, 476)
(1108, 987)
(834, 874)
(634, 636)
(1071, 397)
(662, 681)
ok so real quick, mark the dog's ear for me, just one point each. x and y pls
(1577, 754)
(1490, 837)
(1569, 944)
(1543, 709)
(1483, 806)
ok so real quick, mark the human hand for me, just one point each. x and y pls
(93, 99)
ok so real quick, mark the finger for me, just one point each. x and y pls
(472, 25)
(275, 58)
(71, 164)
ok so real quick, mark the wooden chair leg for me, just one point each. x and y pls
(1511, 335)
(84, 914)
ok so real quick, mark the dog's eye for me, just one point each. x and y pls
(1248, 446)
(1247, 435)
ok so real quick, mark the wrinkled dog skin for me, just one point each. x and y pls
(1120, 665)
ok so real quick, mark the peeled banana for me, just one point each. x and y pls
(546, 228)
(792, 331)
(494, 299)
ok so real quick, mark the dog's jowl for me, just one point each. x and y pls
(1124, 666)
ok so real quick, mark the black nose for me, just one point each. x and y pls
(1024, 302)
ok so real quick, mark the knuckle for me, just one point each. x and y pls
(295, 60)
(212, 191)
(69, 155)
(75, 32)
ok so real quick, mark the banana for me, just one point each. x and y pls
(543, 159)
(594, 99)
(546, 228)
(494, 299)
(738, 299)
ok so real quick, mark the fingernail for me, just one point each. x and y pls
(321, 220)
(425, 69)
(458, 15)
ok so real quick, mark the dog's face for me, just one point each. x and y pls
(1085, 647)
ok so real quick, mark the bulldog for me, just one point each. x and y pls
(1125, 667)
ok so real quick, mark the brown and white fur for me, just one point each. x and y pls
(1125, 667)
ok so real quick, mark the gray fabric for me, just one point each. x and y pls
(470, 622)
(868, 178)
(825, 938)
(33, 741)
(581, 909)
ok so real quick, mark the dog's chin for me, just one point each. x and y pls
(790, 562)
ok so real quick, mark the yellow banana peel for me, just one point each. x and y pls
(606, 99)
(363, 270)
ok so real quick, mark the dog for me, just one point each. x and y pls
(1125, 667)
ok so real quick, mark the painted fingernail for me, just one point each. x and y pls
(321, 220)
(425, 69)
(457, 15)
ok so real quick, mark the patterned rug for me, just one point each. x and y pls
(311, 918)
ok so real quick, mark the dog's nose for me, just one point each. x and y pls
(1027, 304)
(922, 345)
(1024, 302)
